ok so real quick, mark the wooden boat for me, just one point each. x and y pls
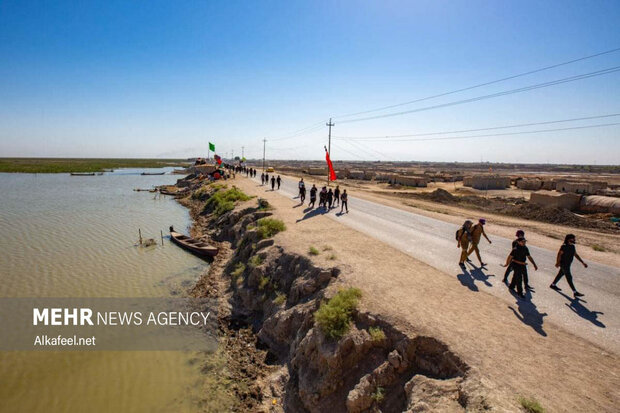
(82, 174)
(152, 173)
(195, 246)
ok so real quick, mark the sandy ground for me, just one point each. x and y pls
(564, 372)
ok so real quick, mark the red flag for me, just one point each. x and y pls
(332, 174)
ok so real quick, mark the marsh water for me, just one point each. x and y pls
(76, 236)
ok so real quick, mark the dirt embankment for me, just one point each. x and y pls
(519, 208)
(278, 359)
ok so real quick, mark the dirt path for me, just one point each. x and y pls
(521, 357)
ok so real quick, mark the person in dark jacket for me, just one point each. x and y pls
(262, 179)
(302, 194)
(278, 181)
(518, 258)
(330, 198)
(564, 260)
(520, 234)
(273, 183)
(312, 196)
(344, 201)
(337, 196)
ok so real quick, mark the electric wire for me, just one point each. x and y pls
(493, 95)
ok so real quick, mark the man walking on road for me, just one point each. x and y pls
(273, 182)
(312, 196)
(477, 232)
(337, 196)
(330, 198)
(564, 260)
(517, 258)
(344, 201)
(520, 234)
(463, 237)
(302, 194)
(279, 181)
(300, 185)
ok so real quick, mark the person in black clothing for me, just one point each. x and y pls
(337, 195)
(520, 234)
(279, 181)
(330, 198)
(267, 178)
(312, 196)
(273, 183)
(302, 194)
(322, 197)
(343, 201)
(517, 258)
(564, 260)
(262, 179)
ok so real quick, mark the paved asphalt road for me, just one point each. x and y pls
(595, 317)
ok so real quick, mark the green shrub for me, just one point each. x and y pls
(377, 334)
(334, 316)
(313, 251)
(268, 227)
(596, 247)
(239, 270)
(280, 298)
(223, 201)
(263, 282)
(531, 405)
(332, 257)
(255, 261)
(327, 248)
(378, 395)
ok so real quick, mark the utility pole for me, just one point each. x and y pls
(329, 144)
(264, 143)
(242, 154)
(232, 157)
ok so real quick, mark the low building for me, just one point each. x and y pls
(582, 187)
(317, 171)
(416, 181)
(530, 184)
(486, 182)
(548, 184)
(552, 199)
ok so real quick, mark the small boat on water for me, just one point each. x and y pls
(198, 247)
(82, 174)
(152, 173)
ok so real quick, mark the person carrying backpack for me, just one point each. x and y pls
(518, 257)
(463, 238)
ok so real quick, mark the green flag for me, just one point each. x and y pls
(211, 147)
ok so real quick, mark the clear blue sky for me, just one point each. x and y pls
(162, 78)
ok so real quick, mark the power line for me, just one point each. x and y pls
(367, 150)
(347, 151)
(493, 95)
(480, 84)
(361, 138)
(303, 131)
(498, 134)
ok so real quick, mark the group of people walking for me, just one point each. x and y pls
(328, 199)
(264, 179)
(469, 236)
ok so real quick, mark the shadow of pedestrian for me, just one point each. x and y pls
(578, 308)
(309, 213)
(478, 274)
(467, 280)
(528, 314)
